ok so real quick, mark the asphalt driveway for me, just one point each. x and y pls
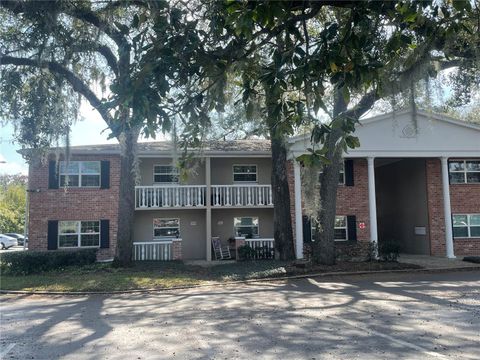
(404, 316)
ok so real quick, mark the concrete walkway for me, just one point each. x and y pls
(436, 262)
(376, 316)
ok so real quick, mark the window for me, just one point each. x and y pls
(464, 171)
(244, 173)
(246, 226)
(167, 174)
(78, 234)
(466, 226)
(166, 228)
(80, 173)
(340, 230)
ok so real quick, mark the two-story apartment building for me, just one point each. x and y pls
(226, 193)
(413, 179)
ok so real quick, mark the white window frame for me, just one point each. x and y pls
(80, 174)
(342, 172)
(174, 172)
(165, 227)
(79, 234)
(240, 173)
(465, 172)
(468, 226)
(243, 217)
(312, 229)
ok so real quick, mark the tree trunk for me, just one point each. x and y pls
(323, 249)
(126, 203)
(282, 221)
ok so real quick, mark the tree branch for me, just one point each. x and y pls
(80, 13)
(104, 50)
(77, 84)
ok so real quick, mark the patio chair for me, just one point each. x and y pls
(221, 252)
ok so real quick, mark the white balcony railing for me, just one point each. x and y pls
(264, 248)
(242, 195)
(152, 250)
(171, 196)
(194, 196)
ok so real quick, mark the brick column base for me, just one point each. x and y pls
(177, 249)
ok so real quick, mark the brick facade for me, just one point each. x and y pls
(95, 204)
(72, 204)
(351, 200)
(177, 249)
(464, 199)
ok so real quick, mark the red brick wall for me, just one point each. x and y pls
(464, 199)
(72, 204)
(351, 200)
(177, 250)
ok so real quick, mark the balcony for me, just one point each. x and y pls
(242, 196)
(195, 196)
(170, 196)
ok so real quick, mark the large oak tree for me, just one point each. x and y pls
(53, 53)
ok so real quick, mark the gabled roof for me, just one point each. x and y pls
(401, 134)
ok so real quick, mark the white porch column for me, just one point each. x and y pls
(298, 210)
(372, 203)
(208, 215)
(447, 210)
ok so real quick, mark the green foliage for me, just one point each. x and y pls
(298, 54)
(31, 262)
(54, 53)
(472, 259)
(389, 250)
(12, 203)
(246, 252)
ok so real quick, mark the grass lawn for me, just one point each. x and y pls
(102, 277)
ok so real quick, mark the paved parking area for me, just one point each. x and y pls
(387, 316)
(14, 248)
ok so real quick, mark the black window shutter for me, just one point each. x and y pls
(52, 236)
(52, 175)
(349, 173)
(105, 175)
(104, 234)
(352, 227)
(307, 229)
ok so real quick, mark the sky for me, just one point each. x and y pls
(85, 132)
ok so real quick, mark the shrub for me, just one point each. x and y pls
(30, 262)
(246, 252)
(389, 250)
(473, 259)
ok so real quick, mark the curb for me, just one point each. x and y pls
(237, 282)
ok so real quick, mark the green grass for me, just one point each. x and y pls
(103, 277)
(164, 275)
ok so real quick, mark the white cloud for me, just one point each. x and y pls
(10, 168)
